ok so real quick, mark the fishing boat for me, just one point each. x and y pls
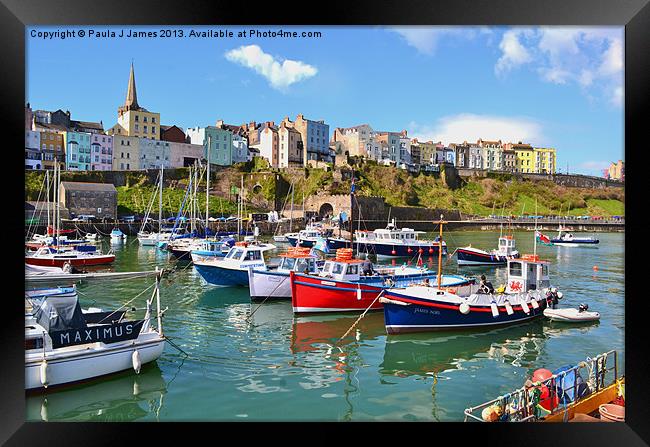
(117, 236)
(391, 242)
(211, 248)
(307, 237)
(562, 395)
(65, 344)
(343, 286)
(474, 256)
(232, 269)
(276, 283)
(425, 308)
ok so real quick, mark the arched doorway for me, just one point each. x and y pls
(325, 210)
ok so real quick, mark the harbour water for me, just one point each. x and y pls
(277, 367)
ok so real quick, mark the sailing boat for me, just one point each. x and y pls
(283, 237)
(56, 255)
(424, 308)
(163, 234)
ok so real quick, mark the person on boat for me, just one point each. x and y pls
(485, 285)
(367, 269)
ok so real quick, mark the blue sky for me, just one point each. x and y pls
(551, 86)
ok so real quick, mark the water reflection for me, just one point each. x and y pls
(122, 397)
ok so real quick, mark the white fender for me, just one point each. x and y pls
(464, 308)
(509, 308)
(44, 370)
(560, 295)
(137, 363)
(534, 303)
(525, 307)
(359, 293)
(495, 309)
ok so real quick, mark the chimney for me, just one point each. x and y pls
(220, 124)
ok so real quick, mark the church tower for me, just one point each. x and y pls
(134, 120)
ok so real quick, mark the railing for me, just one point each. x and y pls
(525, 404)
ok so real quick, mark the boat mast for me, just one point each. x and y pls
(440, 253)
(291, 218)
(352, 188)
(160, 202)
(207, 190)
(501, 230)
(535, 234)
(47, 180)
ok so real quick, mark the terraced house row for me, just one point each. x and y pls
(140, 141)
(396, 149)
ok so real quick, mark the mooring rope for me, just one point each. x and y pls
(361, 316)
(263, 301)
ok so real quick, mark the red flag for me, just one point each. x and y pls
(542, 238)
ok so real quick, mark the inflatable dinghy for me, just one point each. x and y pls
(571, 315)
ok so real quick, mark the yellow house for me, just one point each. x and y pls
(133, 120)
(545, 160)
(524, 157)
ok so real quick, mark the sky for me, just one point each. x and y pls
(559, 87)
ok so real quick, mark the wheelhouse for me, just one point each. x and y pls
(527, 273)
(506, 245)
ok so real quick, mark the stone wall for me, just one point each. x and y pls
(571, 180)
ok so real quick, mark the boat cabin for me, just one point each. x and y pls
(247, 254)
(342, 269)
(527, 273)
(506, 245)
(299, 263)
(402, 236)
(308, 234)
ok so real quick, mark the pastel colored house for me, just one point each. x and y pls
(77, 151)
(219, 140)
(101, 152)
(126, 153)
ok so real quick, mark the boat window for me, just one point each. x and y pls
(327, 267)
(301, 265)
(502, 242)
(288, 263)
(237, 254)
(515, 269)
(312, 265)
(544, 270)
(337, 268)
(353, 269)
(253, 255)
(34, 343)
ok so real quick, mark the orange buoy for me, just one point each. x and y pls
(430, 250)
(595, 268)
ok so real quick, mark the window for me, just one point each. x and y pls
(153, 129)
(515, 269)
(145, 119)
(128, 155)
(153, 120)
(137, 118)
(145, 129)
(353, 269)
(254, 255)
(237, 254)
(137, 128)
(337, 268)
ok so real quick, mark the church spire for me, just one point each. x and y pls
(131, 95)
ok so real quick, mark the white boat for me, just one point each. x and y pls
(117, 236)
(280, 238)
(152, 239)
(572, 315)
(474, 256)
(232, 269)
(90, 236)
(64, 344)
(276, 283)
(41, 270)
(147, 238)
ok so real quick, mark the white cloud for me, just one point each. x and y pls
(470, 127)
(514, 53)
(425, 39)
(591, 58)
(280, 73)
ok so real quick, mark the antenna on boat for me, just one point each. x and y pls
(207, 189)
(440, 251)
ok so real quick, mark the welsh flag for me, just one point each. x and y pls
(542, 238)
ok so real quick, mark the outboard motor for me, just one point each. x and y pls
(583, 307)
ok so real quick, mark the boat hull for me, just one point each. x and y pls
(311, 294)
(60, 261)
(269, 285)
(70, 367)
(427, 315)
(467, 256)
(224, 276)
(307, 243)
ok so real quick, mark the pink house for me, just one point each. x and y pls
(101, 152)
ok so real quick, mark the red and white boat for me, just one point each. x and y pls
(341, 286)
(51, 257)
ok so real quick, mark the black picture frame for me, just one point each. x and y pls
(633, 14)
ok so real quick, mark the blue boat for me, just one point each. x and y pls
(422, 309)
(569, 240)
(232, 269)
